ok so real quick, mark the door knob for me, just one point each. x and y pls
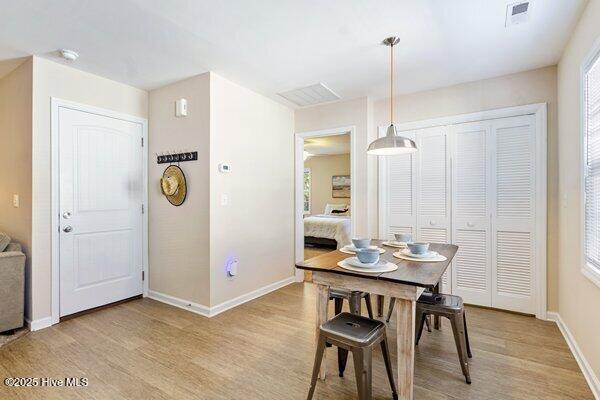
(67, 229)
(67, 215)
(470, 224)
(432, 222)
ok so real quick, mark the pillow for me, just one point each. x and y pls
(330, 207)
(4, 241)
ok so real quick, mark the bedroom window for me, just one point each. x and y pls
(591, 166)
(307, 182)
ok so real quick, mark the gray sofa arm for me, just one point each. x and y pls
(12, 287)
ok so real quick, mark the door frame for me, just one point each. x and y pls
(299, 179)
(540, 110)
(55, 105)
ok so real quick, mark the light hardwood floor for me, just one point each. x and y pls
(264, 349)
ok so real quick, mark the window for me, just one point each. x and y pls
(307, 181)
(591, 173)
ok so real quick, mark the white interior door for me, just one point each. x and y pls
(513, 222)
(471, 218)
(433, 190)
(101, 197)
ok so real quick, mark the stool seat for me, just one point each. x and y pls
(442, 301)
(355, 329)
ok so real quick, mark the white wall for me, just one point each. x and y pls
(56, 80)
(255, 135)
(579, 298)
(15, 160)
(179, 262)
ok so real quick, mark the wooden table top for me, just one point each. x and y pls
(423, 274)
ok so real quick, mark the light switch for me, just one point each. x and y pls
(224, 199)
(16, 202)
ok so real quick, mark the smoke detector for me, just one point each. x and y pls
(517, 13)
(69, 55)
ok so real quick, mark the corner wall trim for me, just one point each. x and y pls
(219, 308)
(586, 369)
(180, 303)
(229, 304)
(38, 324)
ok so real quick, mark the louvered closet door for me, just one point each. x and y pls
(433, 190)
(471, 232)
(513, 240)
(399, 177)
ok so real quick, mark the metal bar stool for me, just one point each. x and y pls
(359, 335)
(451, 307)
(354, 302)
(391, 310)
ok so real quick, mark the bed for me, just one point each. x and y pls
(327, 230)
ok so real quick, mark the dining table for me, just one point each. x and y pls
(405, 284)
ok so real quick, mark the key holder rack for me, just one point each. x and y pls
(176, 158)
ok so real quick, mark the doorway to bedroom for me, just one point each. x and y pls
(324, 191)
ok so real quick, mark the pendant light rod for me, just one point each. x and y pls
(391, 41)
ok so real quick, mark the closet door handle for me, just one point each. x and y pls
(470, 224)
(432, 222)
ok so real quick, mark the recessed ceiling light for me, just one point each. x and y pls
(69, 55)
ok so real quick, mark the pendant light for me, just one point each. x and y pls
(392, 144)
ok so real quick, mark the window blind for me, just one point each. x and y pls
(592, 164)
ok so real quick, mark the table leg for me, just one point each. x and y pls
(322, 301)
(379, 305)
(436, 318)
(405, 342)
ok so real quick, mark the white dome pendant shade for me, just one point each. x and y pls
(392, 144)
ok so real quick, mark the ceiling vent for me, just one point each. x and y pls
(310, 95)
(517, 13)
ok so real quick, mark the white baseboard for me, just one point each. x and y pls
(585, 367)
(38, 324)
(219, 308)
(181, 303)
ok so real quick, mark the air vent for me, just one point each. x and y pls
(517, 13)
(310, 95)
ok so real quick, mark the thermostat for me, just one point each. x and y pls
(224, 167)
(181, 108)
(232, 267)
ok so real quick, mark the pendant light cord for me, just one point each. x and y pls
(392, 84)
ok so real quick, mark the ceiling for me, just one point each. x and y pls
(273, 46)
(328, 145)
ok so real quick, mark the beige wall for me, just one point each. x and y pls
(536, 86)
(322, 168)
(579, 298)
(179, 263)
(254, 135)
(355, 113)
(15, 159)
(55, 80)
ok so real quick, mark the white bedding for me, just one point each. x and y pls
(329, 227)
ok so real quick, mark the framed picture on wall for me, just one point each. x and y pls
(340, 186)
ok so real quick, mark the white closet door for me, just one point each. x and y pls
(398, 174)
(433, 190)
(471, 277)
(513, 240)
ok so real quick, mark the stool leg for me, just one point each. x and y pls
(379, 305)
(338, 303)
(388, 366)
(467, 336)
(355, 306)
(342, 360)
(369, 305)
(420, 318)
(317, 366)
(363, 369)
(390, 309)
(458, 329)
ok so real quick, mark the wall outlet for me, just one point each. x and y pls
(16, 201)
(224, 199)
